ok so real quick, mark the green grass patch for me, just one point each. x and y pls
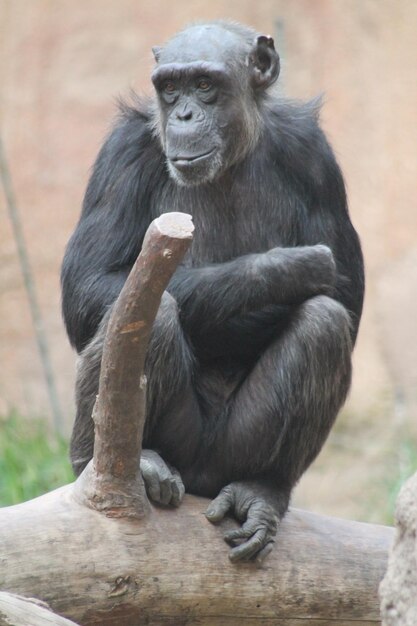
(32, 459)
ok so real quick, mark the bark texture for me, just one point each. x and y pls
(399, 588)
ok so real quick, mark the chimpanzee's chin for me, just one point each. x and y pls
(192, 175)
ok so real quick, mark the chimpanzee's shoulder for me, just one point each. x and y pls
(298, 142)
(134, 123)
(295, 124)
(130, 156)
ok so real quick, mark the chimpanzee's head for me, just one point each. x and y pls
(209, 80)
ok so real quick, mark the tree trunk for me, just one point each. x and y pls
(100, 554)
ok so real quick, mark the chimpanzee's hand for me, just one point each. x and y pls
(324, 268)
(311, 268)
(259, 508)
(162, 481)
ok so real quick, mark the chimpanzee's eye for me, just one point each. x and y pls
(169, 87)
(204, 84)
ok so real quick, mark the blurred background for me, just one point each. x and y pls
(62, 66)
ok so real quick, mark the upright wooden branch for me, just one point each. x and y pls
(112, 483)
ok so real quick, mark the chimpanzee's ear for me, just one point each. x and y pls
(156, 51)
(264, 63)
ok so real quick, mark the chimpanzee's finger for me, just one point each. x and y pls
(218, 508)
(166, 491)
(250, 548)
(237, 535)
(152, 487)
(261, 556)
(177, 489)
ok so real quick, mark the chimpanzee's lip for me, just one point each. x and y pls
(185, 160)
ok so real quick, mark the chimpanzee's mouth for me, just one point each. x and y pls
(183, 161)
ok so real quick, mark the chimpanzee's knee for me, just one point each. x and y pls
(328, 322)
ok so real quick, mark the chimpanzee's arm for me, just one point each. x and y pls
(112, 225)
(212, 295)
(221, 306)
(93, 275)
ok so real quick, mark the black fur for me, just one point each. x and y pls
(249, 361)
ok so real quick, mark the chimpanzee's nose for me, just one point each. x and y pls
(185, 114)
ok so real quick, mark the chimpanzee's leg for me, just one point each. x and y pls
(280, 418)
(173, 422)
(283, 412)
(173, 418)
(86, 390)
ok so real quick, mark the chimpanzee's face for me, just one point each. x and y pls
(208, 81)
(202, 119)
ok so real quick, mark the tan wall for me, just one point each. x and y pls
(61, 65)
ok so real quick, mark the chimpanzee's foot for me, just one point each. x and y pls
(162, 481)
(259, 507)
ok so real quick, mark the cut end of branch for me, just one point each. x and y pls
(176, 225)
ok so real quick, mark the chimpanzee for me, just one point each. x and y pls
(250, 356)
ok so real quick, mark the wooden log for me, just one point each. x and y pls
(99, 554)
(171, 568)
(19, 611)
